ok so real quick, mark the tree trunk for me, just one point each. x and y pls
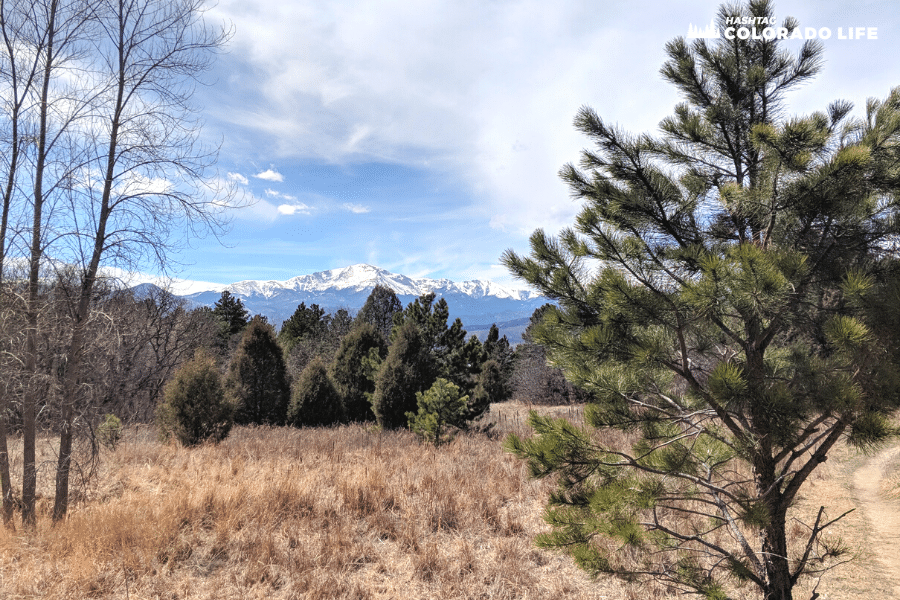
(29, 472)
(64, 464)
(69, 397)
(778, 572)
(5, 483)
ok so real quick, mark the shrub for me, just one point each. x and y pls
(440, 408)
(109, 433)
(315, 401)
(195, 409)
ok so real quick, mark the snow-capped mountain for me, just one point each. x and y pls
(477, 303)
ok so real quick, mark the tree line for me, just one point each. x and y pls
(323, 369)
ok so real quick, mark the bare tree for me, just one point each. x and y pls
(148, 57)
(104, 158)
(153, 333)
(50, 37)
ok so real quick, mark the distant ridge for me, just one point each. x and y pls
(478, 303)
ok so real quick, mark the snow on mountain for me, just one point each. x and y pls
(366, 277)
(477, 303)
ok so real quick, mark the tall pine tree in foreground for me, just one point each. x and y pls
(720, 296)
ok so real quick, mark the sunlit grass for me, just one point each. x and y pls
(283, 513)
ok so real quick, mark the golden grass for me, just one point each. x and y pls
(285, 513)
(335, 513)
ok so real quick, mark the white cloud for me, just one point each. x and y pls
(276, 194)
(238, 178)
(487, 90)
(358, 209)
(270, 175)
(293, 209)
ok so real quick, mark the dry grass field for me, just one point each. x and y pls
(328, 513)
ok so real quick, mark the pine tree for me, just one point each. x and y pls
(497, 349)
(351, 371)
(716, 296)
(490, 387)
(307, 324)
(379, 310)
(315, 402)
(405, 371)
(440, 409)
(231, 313)
(257, 379)
(447, 354)
(533, 381)
(194, 408)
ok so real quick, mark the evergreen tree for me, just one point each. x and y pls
(533, 381)
(351, 370)
(716, 296)
(307, 324)
(310, 333)
(339, 326)
(315, 402)
(231, 313)
(257, 379)
(491, 387)
(440, 409)
(194, 408)
(464, 365)
(497, 349)
(379, 310)
(405, 371)
(447, 354)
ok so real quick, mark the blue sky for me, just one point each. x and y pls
(424, 137)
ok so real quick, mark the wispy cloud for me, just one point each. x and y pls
(238, 178)
(270, 175)
(358, 209)
(276, 194)
(294, 209)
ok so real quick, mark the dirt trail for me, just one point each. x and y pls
(883, 514)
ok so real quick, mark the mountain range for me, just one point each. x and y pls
(477, 303)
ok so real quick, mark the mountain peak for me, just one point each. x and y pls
(477, 302)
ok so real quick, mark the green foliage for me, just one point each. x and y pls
(497, 349)
(310, 333)
(315, 401)
(405, 371)
(723, 296)
(355, 367)
(379, 310)
(231, 313)
(447, 353)
(257, 382)
(109, 433)
(491, 387)
(440, 408)
(194, 409)
(304, 325)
